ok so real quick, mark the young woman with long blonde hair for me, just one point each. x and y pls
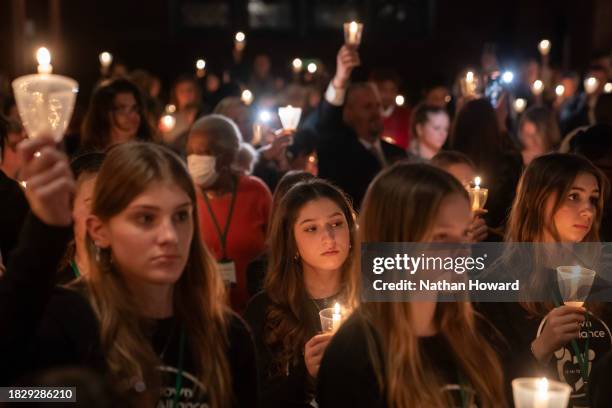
(412, 354)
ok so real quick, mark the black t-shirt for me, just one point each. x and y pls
(68, 335)
(295, 388)
(520, 328)
(347, 377)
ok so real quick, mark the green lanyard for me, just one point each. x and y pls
(583, 358)
(462, 388)
(223, 234)
(178, 384)
(75, 269)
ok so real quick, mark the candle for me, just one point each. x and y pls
(519, 105)
(167, 123)
(559, 90)
(399, 100)
(247, 97)
(352, 33)
(200, 68)
(574, 284)
(289, 117)
(336, 317)
(469, 84)
(312, 67)
(540, 393)
(537, 87)
(296, 65)
(170, 108)
(45, 101)
(478, 195)
(106, 59)
(608, 87)
(240, 41)
(43, 57)
(544, 47)
(591, 84)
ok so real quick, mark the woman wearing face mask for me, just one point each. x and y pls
(410, 354)
(85, 169)
(151, 313)
(115, 115)
(559, 200)
(233, 207)
(429, 130)
(309, 269)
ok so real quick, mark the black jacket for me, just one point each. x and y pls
(343, 159)
(13, 210)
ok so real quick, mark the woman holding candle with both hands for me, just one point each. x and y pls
(559, 200)
(412, 354)
(311, 241)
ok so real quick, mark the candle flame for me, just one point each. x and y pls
(200, 64)
(106, 58)
(247, 96)
(297, 63)
(469, 76)
(43, 56)
(544, 46)
(590, 84)
(399, 100)
(560, 90)
(353, 27)
(477, 182)
(240, 37)
(608, 87)
(312, 67)
(519, 105)
(337, 308)
(542, 385)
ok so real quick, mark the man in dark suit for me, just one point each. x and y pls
(350, 149)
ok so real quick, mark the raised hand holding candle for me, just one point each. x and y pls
(352, 33)
(200, 68)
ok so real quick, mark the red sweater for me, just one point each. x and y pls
(247, 231)
(397, 127)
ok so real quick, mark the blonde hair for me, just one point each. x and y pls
(416, 191)
(199, 293)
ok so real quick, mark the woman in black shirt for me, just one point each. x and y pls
(309, 269)
(412, 354)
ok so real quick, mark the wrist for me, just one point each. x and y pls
(538, 351)
(339, 83)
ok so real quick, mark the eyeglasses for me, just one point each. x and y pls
(126, 110)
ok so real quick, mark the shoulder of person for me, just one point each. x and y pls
(353, 337)
(254, 184)
(256, 308)
(392, 149)
(71, 302)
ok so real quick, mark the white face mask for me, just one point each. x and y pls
(202, 169)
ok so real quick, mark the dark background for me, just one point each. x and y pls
(423, 39)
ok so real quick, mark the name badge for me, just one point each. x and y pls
(227, 269)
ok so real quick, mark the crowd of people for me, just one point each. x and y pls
(183, 263)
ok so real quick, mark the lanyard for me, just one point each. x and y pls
(583, 358)
(223, 234)
(178, 384)
(75, 269)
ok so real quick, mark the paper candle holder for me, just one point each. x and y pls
(575, 284)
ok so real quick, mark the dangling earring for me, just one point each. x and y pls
(98, 253)
(297, 256)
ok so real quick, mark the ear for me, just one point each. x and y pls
(419, 129)
(98, 231)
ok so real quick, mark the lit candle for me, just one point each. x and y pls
(575, 284)
(537, 87)
(399, 100)
(43, 57)
(167, 123)
(559, 90)
(608, 87)
(544, 47)
(469, 84)
(297, 65)
(289, 117)
(106, 59)
(541, 398)
(312, 67)
(519, 105)
(591, 84)
(336, 317)
(200, 68)
(352, 33)
(478, 195)
(247, 97)
(240, 41)
(170, 108)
